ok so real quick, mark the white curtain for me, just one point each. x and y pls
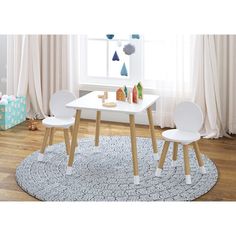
(226, 56)
(39, 65)
(171, 60)
(215, 83)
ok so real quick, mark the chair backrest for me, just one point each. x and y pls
(188, 117)
(58, 103)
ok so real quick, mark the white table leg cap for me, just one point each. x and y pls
(40, 156)
(173, 163)
(156, 156)
(69, 170)
(203, 170)
(188, 179)
(158, 172)
(136, 179)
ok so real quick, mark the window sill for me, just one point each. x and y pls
(110, 87)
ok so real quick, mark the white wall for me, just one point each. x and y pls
(3, 63)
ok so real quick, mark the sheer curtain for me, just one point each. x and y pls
(226, 57)
(23, 72)
(168, 69)
(39, 65)
(59, 66)
(215, 84)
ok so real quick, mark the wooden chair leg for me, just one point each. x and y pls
(199, 158)
(52, 132)
(73, 142)
(98, 120)
(71, 132)
(134, 148)
(186, 165)
(175, 152)
(67, 140)
(44, 144)
(152, 131)
(162, 160)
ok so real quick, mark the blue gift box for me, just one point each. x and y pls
(12, 113)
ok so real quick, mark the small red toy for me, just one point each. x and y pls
(135, 94)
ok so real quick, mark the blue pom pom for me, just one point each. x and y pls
(135, 36)
(110, 36)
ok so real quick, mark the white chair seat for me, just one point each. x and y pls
(184, 137)
(53, 122)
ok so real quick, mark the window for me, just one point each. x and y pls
(167, 59)
(100, 53)
(98, 66)
(158, 61)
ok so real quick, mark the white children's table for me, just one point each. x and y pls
(91, 102)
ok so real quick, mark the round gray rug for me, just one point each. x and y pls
(105, 173)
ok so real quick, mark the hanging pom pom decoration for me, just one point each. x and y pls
(135, 36)
(123, 71)
(115, 57)
(129, 49)
(110, 36)
(126, 91)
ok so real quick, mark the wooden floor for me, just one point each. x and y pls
(18, 142)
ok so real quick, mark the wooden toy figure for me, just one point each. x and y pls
(129, 97)
(140, 90)
(126, 91)
(105, 95)
(103, 99)
(32, 125)
(135, 94)
(120, 95)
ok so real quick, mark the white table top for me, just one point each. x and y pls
(91, 101)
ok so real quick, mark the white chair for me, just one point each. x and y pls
(63, 118)
(188, 119)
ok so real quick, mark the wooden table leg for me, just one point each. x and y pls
(44, 144)
(98, 120)
(51, 136)
(134, 148)
(71, 131)
(73, 142)
(67, 141)
(199, 159)
(152, 131)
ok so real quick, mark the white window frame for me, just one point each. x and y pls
(94, 83)
(136, 70)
